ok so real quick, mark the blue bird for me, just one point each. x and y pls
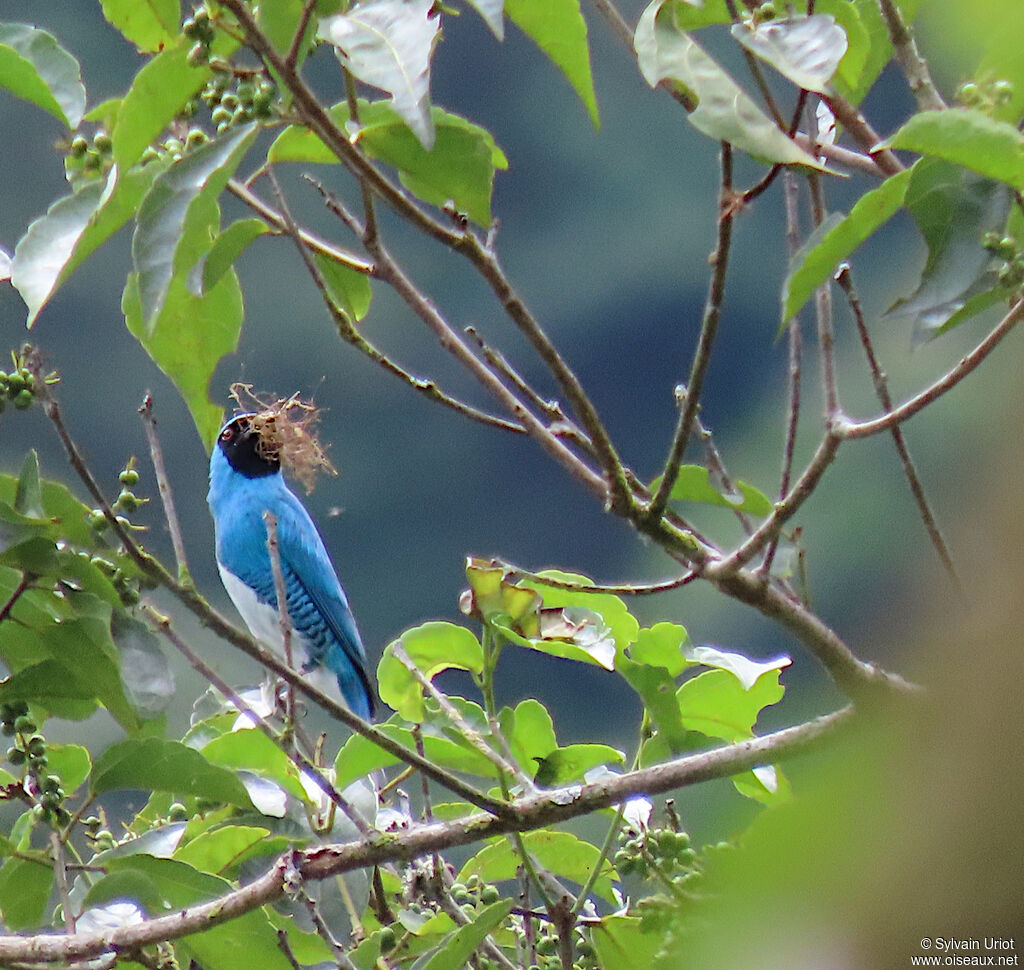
(244, 483)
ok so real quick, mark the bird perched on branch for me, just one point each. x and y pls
(245, 483)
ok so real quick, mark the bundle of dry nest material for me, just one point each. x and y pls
(286, 432)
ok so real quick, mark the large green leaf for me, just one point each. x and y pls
(348, 289)
(460, 168)
(189, 339)
(251, 750)
(805, 49)
(432, 647)
(157, 94)
(154, 764)
(558, 28)
(34, 67)
(717, 704)
(625, 943)
(561, 853)
(25, 887)
(968, 137)
(954, 209)
(173, 208)
(723, 110)
(56, 244)
(657, 690)
(388, 44)
(218, 850)
(226, 248)
(661, 645)
(837, 237)
(150, 25)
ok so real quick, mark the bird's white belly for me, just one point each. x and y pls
(265, 626)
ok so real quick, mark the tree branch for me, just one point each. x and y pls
(906, 54)
(525, 813)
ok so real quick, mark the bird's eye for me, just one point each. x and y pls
(227, 434)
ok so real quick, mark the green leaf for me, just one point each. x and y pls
(47, 684)
(70, 762)
(566, 765)
(723, 110)
(661, 646)
(157, 94)
(807, 50)
(24, 892)
(858, 42)
(433, 647)
(154, 764)
(145, 673)
(28, 495)
(460, 168)
(35, 68)
(150, 25)
(226, 248)
(191, 336)
(693, 484)
(251, 750)
(279, 20)
(968, 137)
(348, 289)
(461, 943)
(657, 689)
(837, 237)
(954, 209)
(529, 731)
(388, 44)
(177, 195)
(620, 622)
(218, 850)
(227, 946)
(716, 703)
(624, 943)
(745, 670)
(561, 853)
(557, 27)
(765, 784)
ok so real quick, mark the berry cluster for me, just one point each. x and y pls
(29, 752)
(126, 503)
(665, 849)
(1011, 274)
(18, 387)
(985, 95)
(234, 100)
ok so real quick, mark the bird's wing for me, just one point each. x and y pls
(305, 558)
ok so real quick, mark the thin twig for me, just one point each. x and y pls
(325, 933)
(909, 58)
(353, 336)
(284, 619)
(845, 280)
(292, 57)
(824, 313)
(841, 156)
(60, 878)
(708, 331)
(862, 133)
(24, 584)
(794, 339)
(163, 624)
(966, 364)
(163, 484)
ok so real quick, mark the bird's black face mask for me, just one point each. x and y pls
(241, 446)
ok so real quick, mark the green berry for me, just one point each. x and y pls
(387, 938)
(79, 146)
(102, 142)
(50, 783)
(129, 477)
(24, 399)
(262, 101)
(130, 596)
(18, 708)
(229, 101)
(177, 812)
(1002, 91)
(195, 138)
(15, 384)
(36, 746)
(1007, 247)
(246, 93)
(149, 155)
(127, 500)
(24, 724)
(62, 815)
(969, 94)
(220, 115)
(97, 520)
(198, 54)
(489, 894)
(15, 756)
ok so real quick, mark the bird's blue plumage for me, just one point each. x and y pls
(244, 485)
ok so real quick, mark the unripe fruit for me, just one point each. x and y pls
(198, 54)
(16, 756)
(24, 724)
(24, 399)
(79, 146)
(220, 115)
(102, 142)
(969, 94)
(129, 477)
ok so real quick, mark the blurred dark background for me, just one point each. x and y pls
(606, 234)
